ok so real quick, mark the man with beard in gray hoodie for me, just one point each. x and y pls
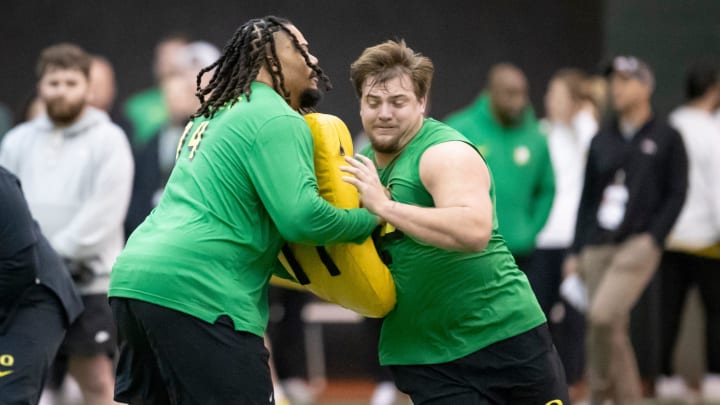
(76, 169)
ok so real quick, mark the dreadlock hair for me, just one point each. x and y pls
(251, 47)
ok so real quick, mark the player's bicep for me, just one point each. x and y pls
(455, 175)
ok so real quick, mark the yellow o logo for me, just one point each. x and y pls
(7, 360)
(554, 402)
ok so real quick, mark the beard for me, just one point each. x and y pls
(310, 98)
(390, 147)
(386, 148)
(63, 112)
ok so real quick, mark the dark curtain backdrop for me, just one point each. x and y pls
(462, 37)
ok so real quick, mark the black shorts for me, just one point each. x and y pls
(168, 357)
(28, 344)
(522, 370)
(93, 332)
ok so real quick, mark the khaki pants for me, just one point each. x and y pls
(616, 276)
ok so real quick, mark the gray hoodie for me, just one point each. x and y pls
(77, 181)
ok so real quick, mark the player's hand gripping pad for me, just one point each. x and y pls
(347, 274)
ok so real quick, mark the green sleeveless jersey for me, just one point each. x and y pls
(449, 304)
(244, 183)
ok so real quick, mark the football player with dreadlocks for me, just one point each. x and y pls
(189, 292)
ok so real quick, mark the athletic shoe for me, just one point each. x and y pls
(711, 388)
(385, 394)
(671, 388)
(298, 391)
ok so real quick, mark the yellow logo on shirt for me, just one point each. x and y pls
(6, 360)
(386, 229)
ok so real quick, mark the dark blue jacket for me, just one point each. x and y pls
(655, 168)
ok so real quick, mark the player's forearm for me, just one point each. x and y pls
(452, 228)
(314, 221)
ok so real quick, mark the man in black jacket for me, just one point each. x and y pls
(37, 299)
(635, 185)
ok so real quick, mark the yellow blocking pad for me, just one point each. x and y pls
(346, 274)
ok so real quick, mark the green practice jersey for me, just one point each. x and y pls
(243, 184)
(449, 304)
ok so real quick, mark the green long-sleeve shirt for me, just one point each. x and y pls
(520, 161)
(244, 183)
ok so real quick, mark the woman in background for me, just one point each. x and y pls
(573, 105)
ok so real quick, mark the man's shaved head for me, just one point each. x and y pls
(508, 88)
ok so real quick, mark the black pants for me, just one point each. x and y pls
(679, 272)
(544, 272)
(567, 325)
(168, 357)
(287, 334)
(372, 335)
(522, 370)
(29, 339)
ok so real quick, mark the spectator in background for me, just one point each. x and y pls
(30, 108)
(692, 256)
(102, 84)
(569, 127)
(34, 108)
(634, 187)
(146, 111)
(155, 158)
(596, 89)
(76, 169)
(101, 95)
(502, 124)
(38, 300)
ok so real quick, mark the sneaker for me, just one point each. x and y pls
(281, 400)
(671, 388)
(280, 397)
(385, 394)
(48, 397)
(711, 388)
(298, 391)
